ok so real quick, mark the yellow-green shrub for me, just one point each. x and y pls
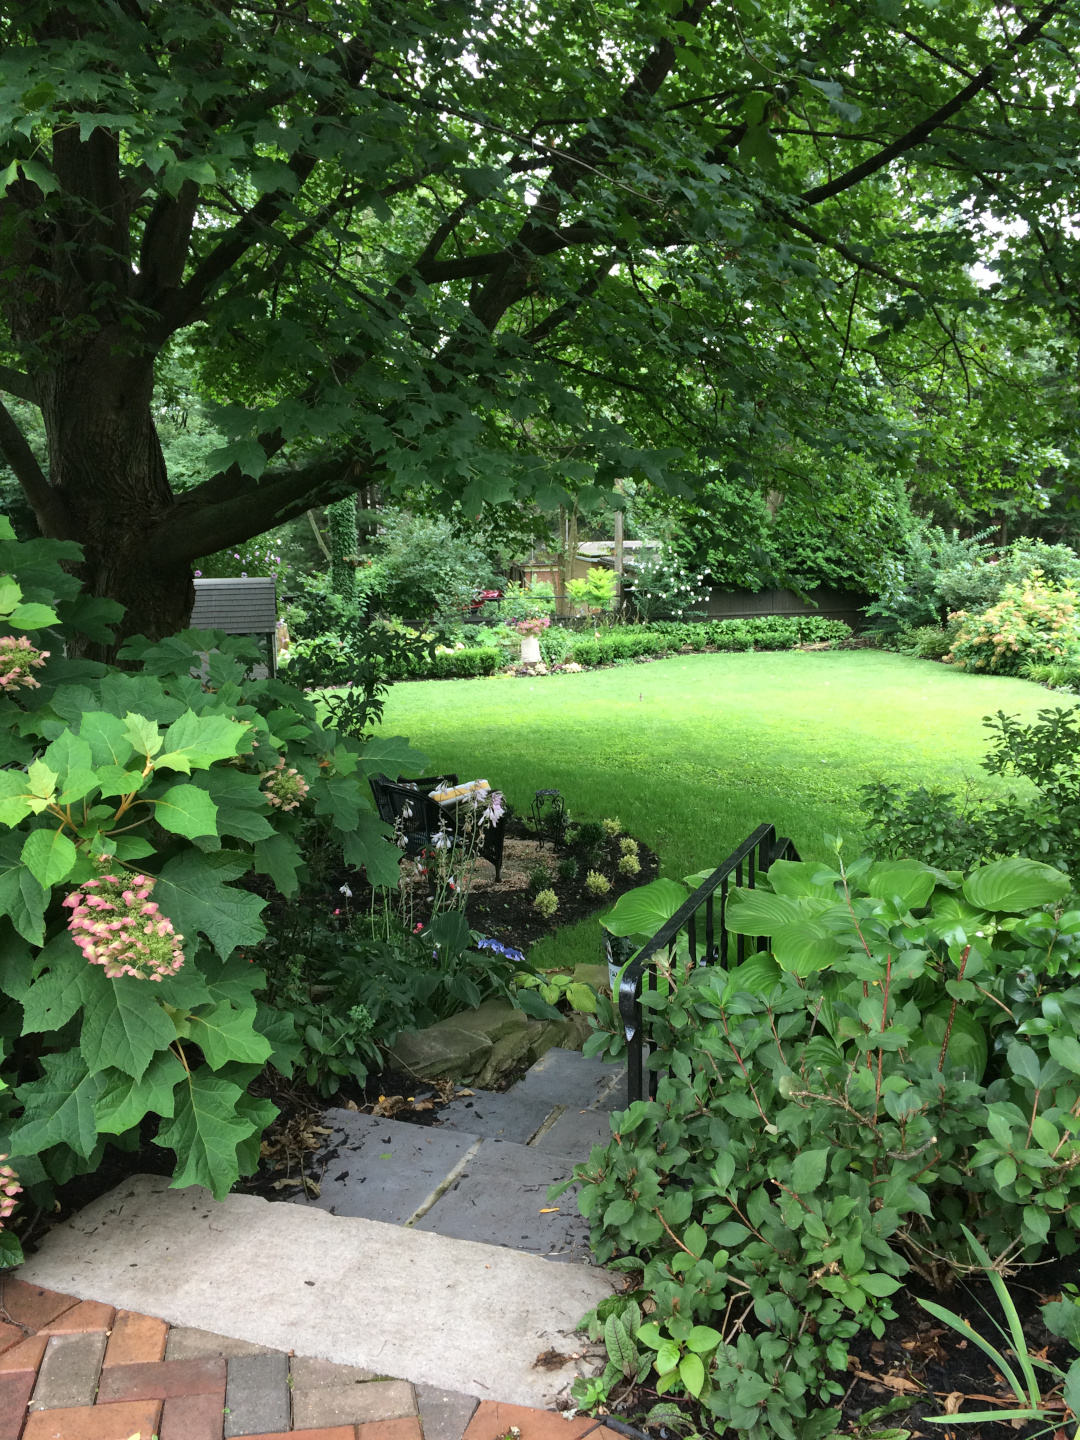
(1033, 623)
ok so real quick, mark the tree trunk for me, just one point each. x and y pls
(107, 469)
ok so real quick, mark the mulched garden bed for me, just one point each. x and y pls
(922, 1368)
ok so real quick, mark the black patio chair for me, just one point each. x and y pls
(407, 805)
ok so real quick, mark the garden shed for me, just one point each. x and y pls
(242, 606)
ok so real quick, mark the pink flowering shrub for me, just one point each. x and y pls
(284, 788)
(536, 626)
(17, 658)
(9, 1188)
(116, 924)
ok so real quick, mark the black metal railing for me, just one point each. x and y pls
(739, 871)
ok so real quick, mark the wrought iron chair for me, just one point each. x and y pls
(406, 804)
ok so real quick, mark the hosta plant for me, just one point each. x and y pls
(897, 1060)
(134, 806)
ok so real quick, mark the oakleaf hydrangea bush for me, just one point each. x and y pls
(898, 1060)
(134, 804)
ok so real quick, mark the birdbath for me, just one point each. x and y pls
(530, 632)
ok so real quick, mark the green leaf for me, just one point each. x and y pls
(911, 885)
(390, 755)
(49, 856)
(16, 802)
(195, 742)
(16, 964)
(68, 755)
(1015, 885)
(759, 912)
(59, 1109)
(340, 797)
(1062, 1318)
(33, 617)
(224, 1033)
(279, 1028)
(806, 948)
(261, 1113)
(205, 1133)
(186, 810)
(233, 980)
(241, 804)
(1066, 1051)
(56, 995)
(795, 878)
(808, 1170)
(124, 1025)
(22, 898)
(107, 737)
(644, 910)
(878, 1284)
(124, 1101)
(368, 845)
(693, 881)
(695, 1240)
(279, 857)
(757, 976)
(692, 1374)
(193, 892)
(10, 592)
(142, 733)
(703, 1338)
(967, 1052)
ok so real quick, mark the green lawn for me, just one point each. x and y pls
(693, 752)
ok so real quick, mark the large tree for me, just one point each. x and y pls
(491, 249)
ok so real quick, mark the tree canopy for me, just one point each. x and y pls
(491, 250)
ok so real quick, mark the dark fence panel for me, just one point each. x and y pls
(828, 604)
(707, 938)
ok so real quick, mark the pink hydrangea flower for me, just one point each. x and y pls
(284, 789)
(17, 658)
(135, 939)
(9, 1188)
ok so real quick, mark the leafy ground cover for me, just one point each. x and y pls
(693, 752)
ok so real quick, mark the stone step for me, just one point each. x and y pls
(484, 1172)
(395, 1300)
(451, 1183)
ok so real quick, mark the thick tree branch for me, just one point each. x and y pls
(570, 307)
(180, 308)
(52, 514)
(14, 382)
(926, 127)
(230, 508)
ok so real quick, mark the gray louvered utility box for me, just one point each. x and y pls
(239, 607)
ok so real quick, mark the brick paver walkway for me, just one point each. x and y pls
(79, 1370)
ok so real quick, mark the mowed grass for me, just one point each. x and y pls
(693, 752)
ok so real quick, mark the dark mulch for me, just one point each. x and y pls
(921, 1368)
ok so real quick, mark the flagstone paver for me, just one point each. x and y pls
(328, 1405)
(257, 1399)
(69, 1371)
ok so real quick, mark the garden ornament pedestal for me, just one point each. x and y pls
(530, 650)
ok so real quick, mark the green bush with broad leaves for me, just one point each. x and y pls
(943, 828)
(898, 1059)
(134, 805)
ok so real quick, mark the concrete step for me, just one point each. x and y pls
(395, 1300)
